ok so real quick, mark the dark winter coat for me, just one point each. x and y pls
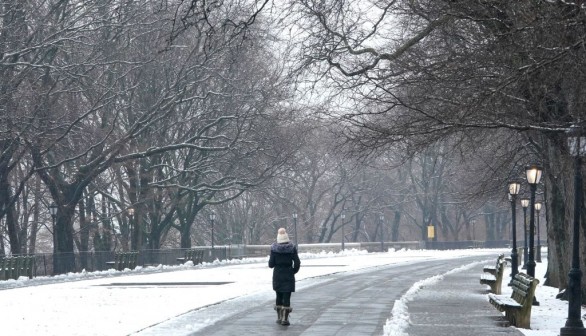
(285, 264)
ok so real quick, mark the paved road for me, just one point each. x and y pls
(359, 303)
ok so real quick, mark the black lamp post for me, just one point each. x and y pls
(295, 226)
(514, 188)
(534, 173)
(53, 212)
(343, 216)
(538, 252)
(57, 260)
(382, 233)
(212, 218)
(525, 204)
(511, 229)
(130, 212)
(574, 325)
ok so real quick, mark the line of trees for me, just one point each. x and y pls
(504, 78)
(138, 119)
(110, 105)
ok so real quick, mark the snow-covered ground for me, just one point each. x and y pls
(123, 303)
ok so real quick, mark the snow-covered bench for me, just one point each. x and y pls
(494, 280)
(517, 307)
(492, 269)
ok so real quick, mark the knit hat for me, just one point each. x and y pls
(282, 236)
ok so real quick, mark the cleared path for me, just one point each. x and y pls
(360, 302)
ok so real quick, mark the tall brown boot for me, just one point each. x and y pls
(285, 316)
(279, 310)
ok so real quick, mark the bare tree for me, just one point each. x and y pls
(427, 70)
(93, 69)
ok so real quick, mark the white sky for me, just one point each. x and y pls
(86, 303)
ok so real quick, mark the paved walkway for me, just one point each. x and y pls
(457, 306)
(360, 304)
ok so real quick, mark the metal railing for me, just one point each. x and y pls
(97, 260)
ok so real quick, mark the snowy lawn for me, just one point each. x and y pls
(121, 303)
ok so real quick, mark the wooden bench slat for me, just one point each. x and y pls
(503, 301)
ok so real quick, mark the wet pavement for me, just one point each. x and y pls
(457, 306)
(360, 303)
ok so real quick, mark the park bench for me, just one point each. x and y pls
(124, 260)
(15, 267)
(517, 307)
(492, 269)
(494, 280)
(520, 251)
(194, 255)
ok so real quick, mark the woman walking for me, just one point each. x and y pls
(285, 264)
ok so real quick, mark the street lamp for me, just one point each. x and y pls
(525, 204)
(538, 255)
(511, 230)
(295, 226)
(57, 261)
(130, 212)
(574, 325)
(53, 211)
(382, 231)
(534, 173)
(343, 216)
(514, 188)
(212, 218)
(131, 224)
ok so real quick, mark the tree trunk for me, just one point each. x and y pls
(34, 228)
(558, 179)
(187, 214)
(356, 229)
(64, 257)
(489, 220)
(134, 181)
(185, 236)
(395, 226)
(10, 215)
(84, 233)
